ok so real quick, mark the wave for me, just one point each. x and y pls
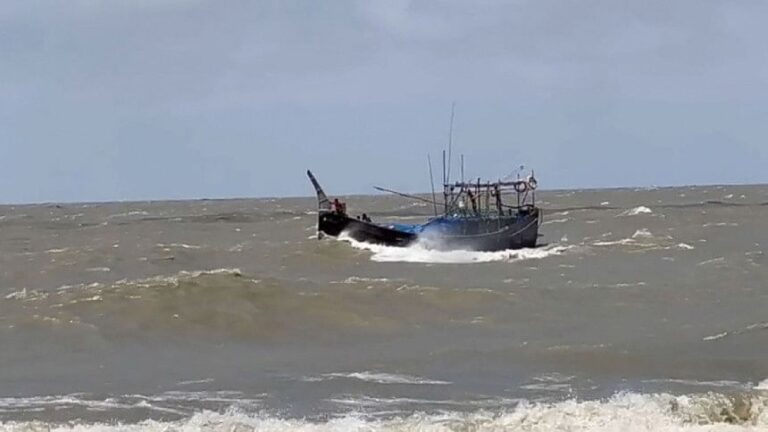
(758, 326)
(224, 303)
(419, 253)
(637, 211)
(381, 378)
(180, 404)
(628, 412)
(643, 239)
(763, 385)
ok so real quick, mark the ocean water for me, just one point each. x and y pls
(642, 310)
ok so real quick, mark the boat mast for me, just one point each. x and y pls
(445, 186)
(432, 182)
(450, 142)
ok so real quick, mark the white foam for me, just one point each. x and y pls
(626, 412)
(98, 270)
(193, 382)
(622, 242)
(720, 224)
(130, 213)
(642, 233)
(419, 253)
(715, 337)
(763, 385)
(359, 279)
(17, 295)
(696, 383)
(56, 251)
(157, 280)
(637, 211)
(712, 261)
(556, 221)
(385, 378)
(178, 246)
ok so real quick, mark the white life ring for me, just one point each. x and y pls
(521, 187)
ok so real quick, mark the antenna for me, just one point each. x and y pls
(450, 142)
(432, 182)
(462, 168)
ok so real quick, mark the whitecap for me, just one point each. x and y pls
(715, 337)
(384, 378)
(637, 211)
(98, 269)
(642, 233)
(178, 246)
(622, 242)
(56, 251)
(193, 382)
(712, 261)
(720, 224)
(359, 279)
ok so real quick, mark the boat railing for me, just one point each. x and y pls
(486, 199)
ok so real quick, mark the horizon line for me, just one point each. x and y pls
(351, 195)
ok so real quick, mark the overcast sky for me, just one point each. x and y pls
(152, 99)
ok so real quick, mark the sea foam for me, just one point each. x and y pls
(420, 253)
(381, 378)
(623, 412)
(637, 211)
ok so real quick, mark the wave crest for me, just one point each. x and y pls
(227, 304)
(623, 412)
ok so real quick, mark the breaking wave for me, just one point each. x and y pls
(380, 378)
(419, 253)
(623, 412)
(637, 211)
(643, 239)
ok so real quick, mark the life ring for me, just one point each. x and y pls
(521, 187)
(532, 183)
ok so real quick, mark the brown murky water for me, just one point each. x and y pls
(641, 304)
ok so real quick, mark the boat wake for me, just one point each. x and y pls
(422, 253)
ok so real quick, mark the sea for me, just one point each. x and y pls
(641, 310)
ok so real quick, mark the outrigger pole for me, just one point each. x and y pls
(405, 195)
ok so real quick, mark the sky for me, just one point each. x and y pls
(172, 99)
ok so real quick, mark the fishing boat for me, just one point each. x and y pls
(474, 216)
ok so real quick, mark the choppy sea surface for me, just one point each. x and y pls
(642, 310)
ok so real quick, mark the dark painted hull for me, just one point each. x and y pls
(480, 234)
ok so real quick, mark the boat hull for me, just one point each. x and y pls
(481, 234)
